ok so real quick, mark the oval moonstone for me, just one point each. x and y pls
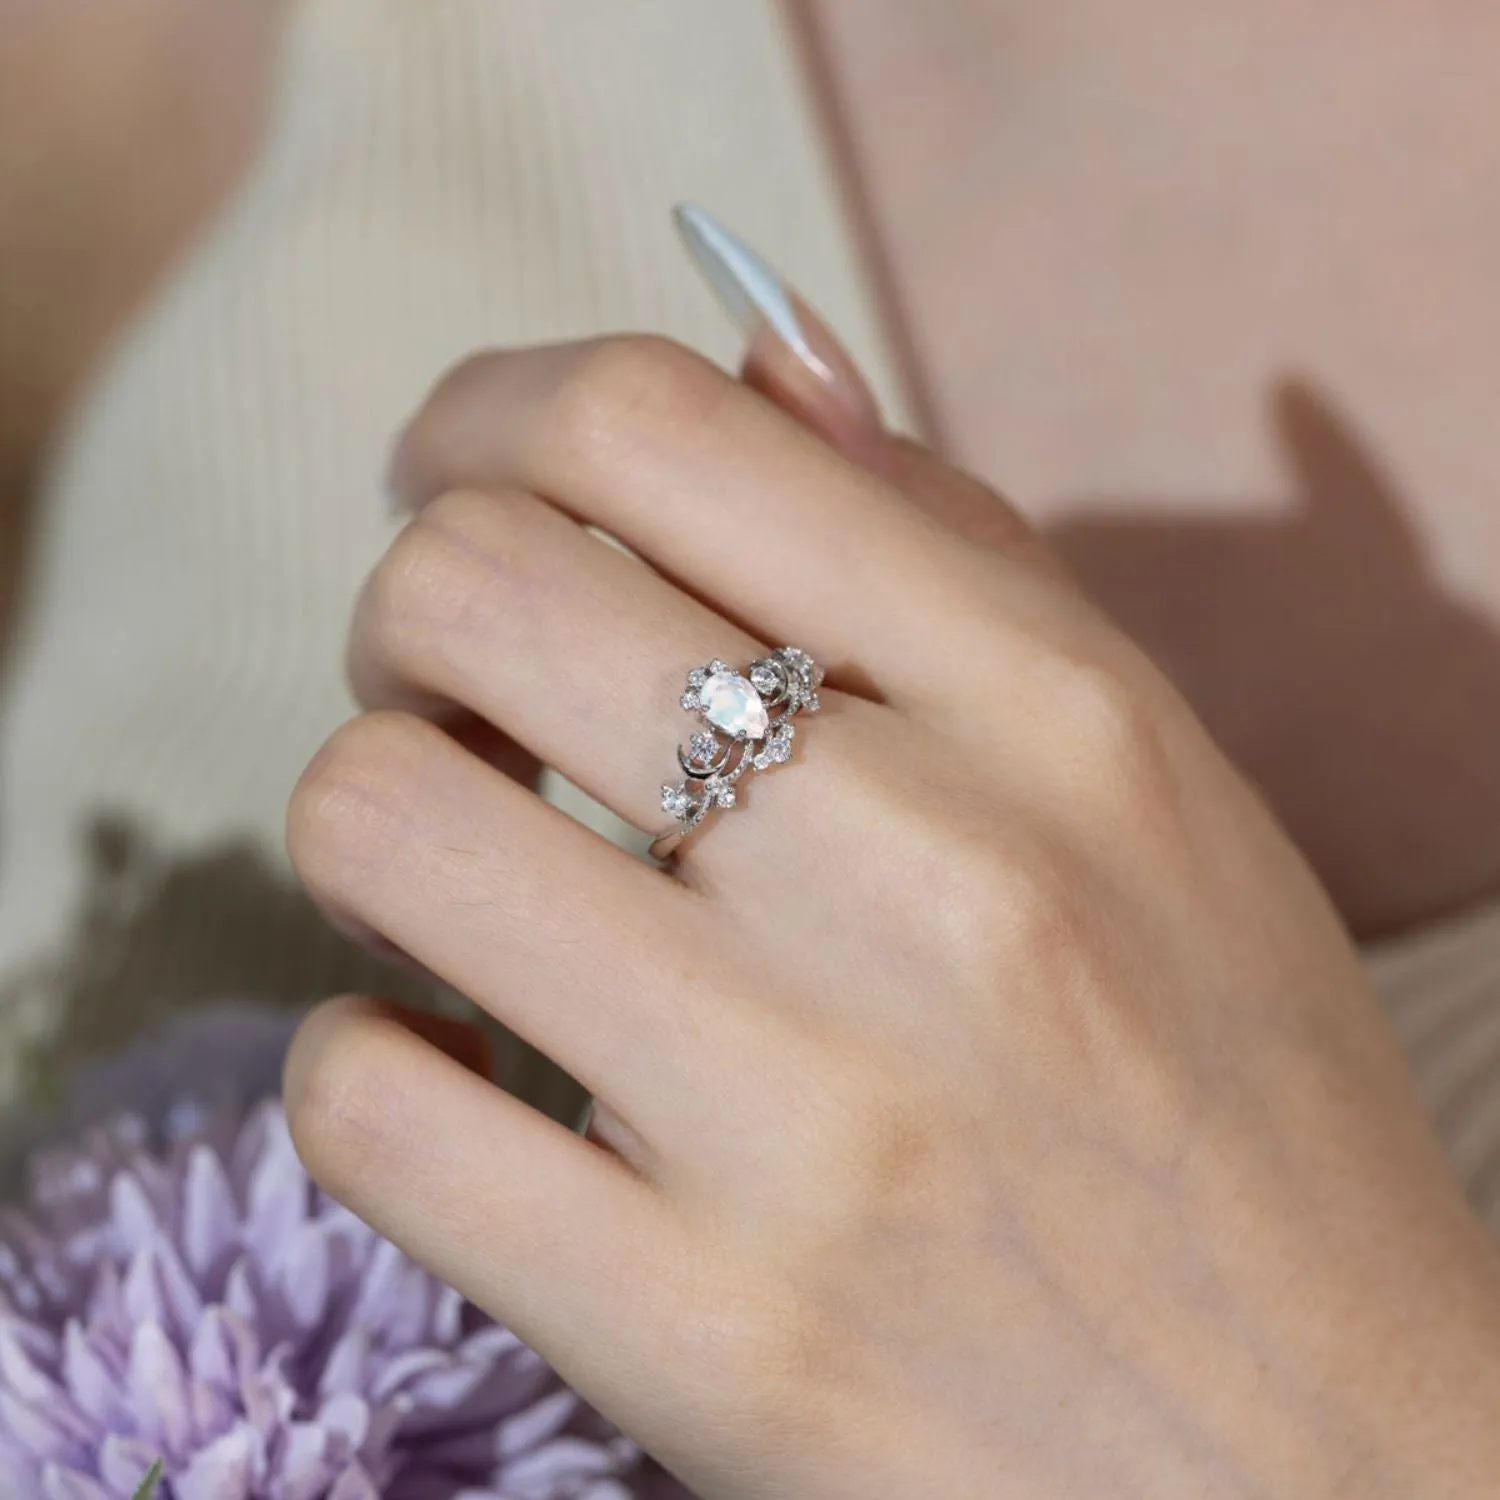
(731, 703)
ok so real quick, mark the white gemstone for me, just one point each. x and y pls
(674, 801)
(730, 703)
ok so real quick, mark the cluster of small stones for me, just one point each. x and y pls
(790, 680)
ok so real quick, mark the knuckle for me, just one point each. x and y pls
(627, 391)
(351, 802)
(426, 447)
(766, 1352)
(472, 377)
(994, 887)
(865, 1139)
(1116, 720)
(1022, 911)
(883, 1144)
(435, 574)
(337, 1082)
(408, 591)
(995, 898)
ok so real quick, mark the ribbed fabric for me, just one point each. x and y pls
(440, 175)
(1441, 988)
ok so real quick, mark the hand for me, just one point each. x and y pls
(991, 1105)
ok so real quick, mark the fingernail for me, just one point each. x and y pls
(757, 299)
(746, 286)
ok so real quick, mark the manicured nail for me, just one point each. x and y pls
(748, 289)
(791, 354)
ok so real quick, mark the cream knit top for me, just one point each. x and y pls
(440, 174)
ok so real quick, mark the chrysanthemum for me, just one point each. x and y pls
(210, 1307)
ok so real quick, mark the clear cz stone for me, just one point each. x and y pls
(703, 746)
(729, 702)
(763, 677)
(674, 801)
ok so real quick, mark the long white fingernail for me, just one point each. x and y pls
(747, 288)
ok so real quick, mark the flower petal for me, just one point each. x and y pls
(20, 1371)
(158, 1389)
(92, 1383)
(276, 1196)
(225, 1470)
(347, 1419)
(175, 1289)
(224, 1350)
(528, 1429)
(132, 1214)
(306, 1468)
(69, 1484)
(122, 1462)
(354, 1484)
(210, 1216)
(348, 1363)
(302, 1277)
(58, 1434)
(240, 1294)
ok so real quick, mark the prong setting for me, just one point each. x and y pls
(744, 727)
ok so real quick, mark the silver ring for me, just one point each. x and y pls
(746, 725)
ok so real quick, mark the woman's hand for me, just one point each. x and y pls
(996, 1106)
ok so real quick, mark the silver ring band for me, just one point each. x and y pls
(746, 725)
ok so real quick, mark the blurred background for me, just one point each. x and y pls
(1209, 290)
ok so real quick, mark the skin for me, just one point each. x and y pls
(992, 1104)
(1211, 289)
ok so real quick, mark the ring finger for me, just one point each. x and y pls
(500, 605)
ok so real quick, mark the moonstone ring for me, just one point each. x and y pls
(746, 720)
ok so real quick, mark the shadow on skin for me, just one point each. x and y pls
(1329, 662)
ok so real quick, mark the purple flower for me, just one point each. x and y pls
(210, 1307)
